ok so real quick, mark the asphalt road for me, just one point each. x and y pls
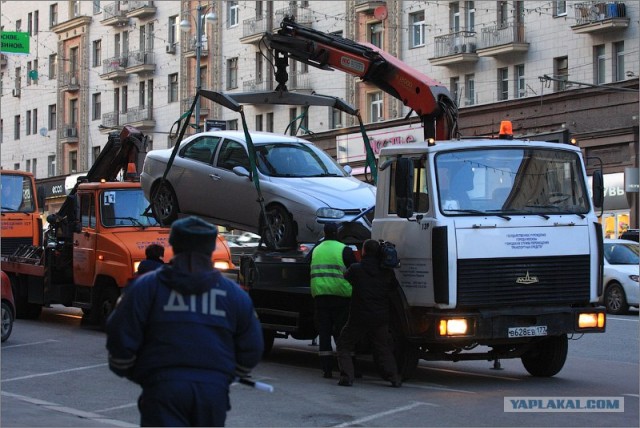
(55, 374)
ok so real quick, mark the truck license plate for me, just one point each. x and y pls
(536, 330)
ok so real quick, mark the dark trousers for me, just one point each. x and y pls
(382, 347)
(173, 403)
(331, 315)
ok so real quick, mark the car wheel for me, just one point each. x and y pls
(282, 226)
(7, 321)
(548, 356)
(165, 204)
(615, 300)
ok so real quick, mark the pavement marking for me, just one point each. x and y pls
(472, 374)
(29, 344)
(54, 373)
(69, 411)
(366, 419)
(436, 387)
(622, 319)
(109, 409)
(632, 395)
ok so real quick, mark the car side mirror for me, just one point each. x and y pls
(241, 171)
(403, 183)
(347, 169)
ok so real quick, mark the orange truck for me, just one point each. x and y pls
(21, 222)
(96, 240)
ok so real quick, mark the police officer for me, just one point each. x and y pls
(154, 254)
(184, 332)
(331, 292)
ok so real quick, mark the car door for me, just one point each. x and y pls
(235, 196)
(190, 175)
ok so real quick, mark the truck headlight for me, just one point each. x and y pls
(591, 320)
(135, 267)
(329, 213)
(453, 327)
(221, 265)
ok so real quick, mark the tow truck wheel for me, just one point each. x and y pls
(7, 321)
(547, 358)
(282, 227)
(106, 301)
(615, 300)
(165, 204)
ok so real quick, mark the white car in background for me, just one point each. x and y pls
(302, 186)
(620, 280)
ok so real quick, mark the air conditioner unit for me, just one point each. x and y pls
(16, 92)
(171, 48)
(72, 132)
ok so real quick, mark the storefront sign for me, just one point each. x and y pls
(14, 42)
(350, 147)
(615, 197)
(631, 180)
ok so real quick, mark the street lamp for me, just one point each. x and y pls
(185, 25)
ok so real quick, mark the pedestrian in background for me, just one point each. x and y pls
(331, 292)
(154, 254)
(184, 333)
(369, 315)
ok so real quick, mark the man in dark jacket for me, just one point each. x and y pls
(184, 332)
(154, 254)
(368, 314)
(330, 291)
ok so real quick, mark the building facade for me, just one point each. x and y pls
(567, 68)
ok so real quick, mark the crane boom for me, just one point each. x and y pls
(428, 98)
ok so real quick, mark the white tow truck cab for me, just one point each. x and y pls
(499, 246)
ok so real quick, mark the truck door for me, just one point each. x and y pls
(84, 242)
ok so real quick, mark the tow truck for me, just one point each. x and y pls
(96, 240)
(21, 222)
(499, 244)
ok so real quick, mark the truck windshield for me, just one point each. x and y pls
(511, 181)
(17, 193)
(125, 208)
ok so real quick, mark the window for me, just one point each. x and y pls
(125, 99)
(73, 161)
(232, 154)
(52, 117)
(29, 68)
(520, 85)
(470, 89)
(73, 60)
(142, 94)
(73, 111)
(561, 71)
(53, 15)
(470, 11)
(172, 36)
(258, 122)
(97, 53)
(173, 88)
(376, 32)
(233, 11)
(95, 152)
(293, 112)
(335, 118)
(34, 118)
(232, 125)
(35, 70)
(201, 149)
(232, 73)
(259, 67)
(375, 107)
(19, 25)
(30, 23)
(269, 122)
(618, 61)
(87, 210)
(598, 65)
(454, 16)
(53, 66)
(96, 106)
(27, 165)
(454, 88)
(51, 165)
(16, 165)
(259, 9)
(559, 8)
(416, 23)
(75, 8)
(34, 165)
(28, 124)
(96, 7)
(503, 13)
(503, 84)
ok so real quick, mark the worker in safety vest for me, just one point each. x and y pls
(331, 292)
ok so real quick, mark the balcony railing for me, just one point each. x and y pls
(114, 14)
(192, 45)
(254, 27)
(140, 61)
(185, 105)
(455, 43)
(136, 115)
(256, 85)
(116, 63)
(502, 34)
(302, 15)
(68, 133)
(140, 9)
(69, 81)
(593, 16)
(110, 120)
(299, 81)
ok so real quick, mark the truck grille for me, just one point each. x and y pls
(510, 281)
(10, 245)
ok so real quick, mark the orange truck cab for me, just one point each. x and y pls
(21, 222)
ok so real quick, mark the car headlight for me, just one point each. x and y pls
(633, 278)
(329, 213)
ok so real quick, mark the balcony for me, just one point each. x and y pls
(367, 6)
(257, 85)
(69, 81)
(299, 82)
(140, 9)
(114, 68)
(140, 117)
(302, 15)
(110, 120)
(191, 45)
(140, 62)
(185, 105)
(455, 48)
(68, 133)
(253, 29)
(503, 39)
(600, 17)
(113, 15)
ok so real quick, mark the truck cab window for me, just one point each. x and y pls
(87, 210)
(420, 188)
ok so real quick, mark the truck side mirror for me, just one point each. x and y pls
(403, 183)
(597, 189)
(41, 198)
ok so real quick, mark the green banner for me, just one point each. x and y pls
(14, 42)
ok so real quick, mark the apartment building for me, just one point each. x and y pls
(564, 69)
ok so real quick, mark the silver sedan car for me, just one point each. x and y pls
(301, 185)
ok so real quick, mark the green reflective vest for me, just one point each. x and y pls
(327, 270)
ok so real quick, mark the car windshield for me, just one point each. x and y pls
(125, 208)
(17, 193)
(621, 253)
(296, 160)
(511, 181)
